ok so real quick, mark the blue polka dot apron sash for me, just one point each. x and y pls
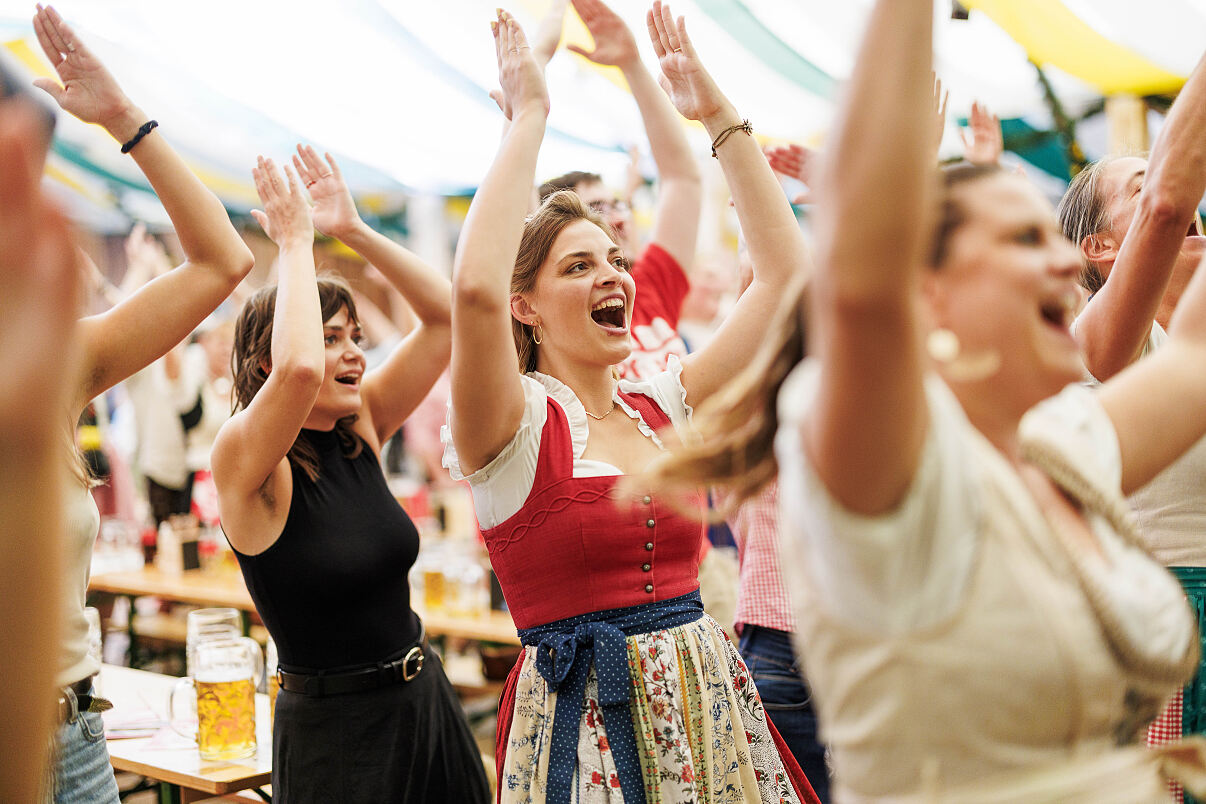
(564, 652)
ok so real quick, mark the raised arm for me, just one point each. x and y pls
(676, 223)
(397, 386)
(487, 397)
(38, 307)
(776, 245)
(251, 446)
(130, 336)
(1115, 323)
(866, 429)
(1177, 371)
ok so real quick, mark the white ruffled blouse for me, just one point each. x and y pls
(501, 487)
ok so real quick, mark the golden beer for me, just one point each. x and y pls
(225, 718)
(435, 594)
(274, 686)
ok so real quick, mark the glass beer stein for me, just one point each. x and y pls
(207, 625)
(224, 682)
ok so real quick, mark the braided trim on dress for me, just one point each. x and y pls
(556, 505)
(1068, 478)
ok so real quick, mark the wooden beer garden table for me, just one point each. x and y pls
(179, 773)
(226, 588)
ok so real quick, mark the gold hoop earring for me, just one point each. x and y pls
(537, 340)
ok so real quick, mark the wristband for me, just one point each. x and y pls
(143, 130)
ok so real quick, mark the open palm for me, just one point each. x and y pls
(614, 43)
(88, 92)
(334, 211)
(689, 86)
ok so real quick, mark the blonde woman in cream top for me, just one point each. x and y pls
(950, 642)
(978, 619)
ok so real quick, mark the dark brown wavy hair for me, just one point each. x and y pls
(251, 359)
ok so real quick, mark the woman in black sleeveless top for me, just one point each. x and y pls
(365, 712)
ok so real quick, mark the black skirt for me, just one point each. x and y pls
(406, 742)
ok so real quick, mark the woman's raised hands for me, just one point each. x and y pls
(690, 87)
(334, 212)
(286, 215)
(519, 74)
(614, 42)
(88, 92)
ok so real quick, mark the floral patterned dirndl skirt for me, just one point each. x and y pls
(701, 731)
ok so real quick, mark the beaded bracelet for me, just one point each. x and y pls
(744, 125)
(143, 130)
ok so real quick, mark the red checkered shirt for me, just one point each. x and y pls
(762, 596)
(1166, 730)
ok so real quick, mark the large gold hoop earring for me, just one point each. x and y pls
(537, 340)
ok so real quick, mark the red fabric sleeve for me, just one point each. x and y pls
(661, 285)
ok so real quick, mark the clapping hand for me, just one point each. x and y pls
(614, 43)
(88, 92)
(690, 87)
(286, 216)
(334, 212)
(796, 162)
(519, 75)
(986, 143)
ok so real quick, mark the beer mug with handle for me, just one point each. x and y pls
(207, 625)
(224, 684)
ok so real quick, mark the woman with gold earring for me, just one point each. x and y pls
(626, 689)
(978, 618)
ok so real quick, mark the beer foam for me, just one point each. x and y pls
(221, 675)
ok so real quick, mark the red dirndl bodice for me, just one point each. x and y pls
(574, 548)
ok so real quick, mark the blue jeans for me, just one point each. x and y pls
(788, 701)
(82, 773)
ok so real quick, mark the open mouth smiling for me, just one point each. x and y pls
(609, 313)
(1059, 311)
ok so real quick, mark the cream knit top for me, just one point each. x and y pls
(958, 644)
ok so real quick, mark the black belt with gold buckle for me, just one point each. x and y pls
(396, 671)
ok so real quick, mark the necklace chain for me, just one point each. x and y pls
(605, 415)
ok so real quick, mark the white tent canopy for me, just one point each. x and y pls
(398, 90)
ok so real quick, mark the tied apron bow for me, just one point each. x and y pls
(564, 652)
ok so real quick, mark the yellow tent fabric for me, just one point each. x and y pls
(1051, 34)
